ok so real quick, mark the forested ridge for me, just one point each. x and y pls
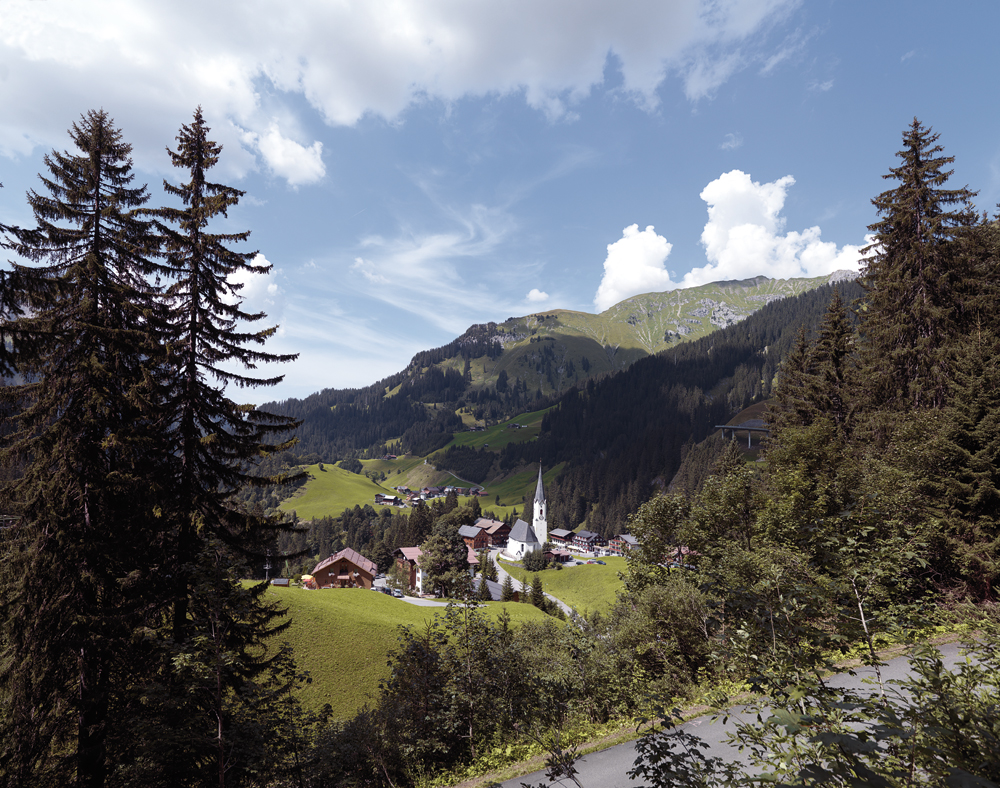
(875, 517)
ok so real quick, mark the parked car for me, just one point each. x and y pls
(397, 593)
(602, 563)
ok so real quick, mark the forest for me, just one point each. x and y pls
(872, 519)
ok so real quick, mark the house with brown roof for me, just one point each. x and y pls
(409, 559)
(497, 531)
(346, 569)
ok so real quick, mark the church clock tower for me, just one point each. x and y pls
(540, 514)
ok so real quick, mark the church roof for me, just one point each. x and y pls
(522, 532)
(539, 489)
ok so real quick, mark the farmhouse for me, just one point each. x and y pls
(474, 536)
(346, 569)
(408, 558)
(496, 530)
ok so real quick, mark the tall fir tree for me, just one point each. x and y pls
(214, 443)
(914, 277)
(214, 438)
(82, 428)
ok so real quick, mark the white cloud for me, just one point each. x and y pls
(821, 87)
(259, 290)
(732, 142)
(744, 235)
(288, 159)
(634, 265)
(536, 296)
(148, 66)
(367, 270)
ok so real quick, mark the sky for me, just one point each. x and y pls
(413, 167)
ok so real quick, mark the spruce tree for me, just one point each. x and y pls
(82, 428)
(214, 438)
(914, 277)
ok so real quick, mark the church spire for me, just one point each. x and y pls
(540, 520)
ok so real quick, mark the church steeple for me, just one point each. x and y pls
(540, 511)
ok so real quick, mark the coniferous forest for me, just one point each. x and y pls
(132, 656)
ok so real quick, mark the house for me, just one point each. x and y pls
(497, 531)
(346, 569)
(474, 536)
(558, 555)
(561, 536)
(586, 540)
(622, 543)
(386, 500)
(409, 559)
(496, 590)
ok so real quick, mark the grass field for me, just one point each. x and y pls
(342, 638)
(499, 435)
(586, 588)
(330, 491)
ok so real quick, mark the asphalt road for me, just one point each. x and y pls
(609, 768)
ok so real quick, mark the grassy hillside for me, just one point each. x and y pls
(588, 588)
(342, 638)
(331, 490)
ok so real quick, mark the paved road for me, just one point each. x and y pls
(608, 768)
(518, 586)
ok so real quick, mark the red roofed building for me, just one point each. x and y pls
(346, 569)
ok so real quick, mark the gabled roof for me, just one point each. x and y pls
(629, 539)
(471, 531)
(351, 555)
(586, 535)
(410, 553)
(522, 532)
(496, 590)
(561, 533)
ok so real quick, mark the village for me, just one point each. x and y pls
(499, 540)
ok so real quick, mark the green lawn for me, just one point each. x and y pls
(499, 435)
(586, 588)
(330, 491)
(343, 636)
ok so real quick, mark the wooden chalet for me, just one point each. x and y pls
(497, 531)
(561, 536)
(586, 540)
(346, 569)
(475, 537)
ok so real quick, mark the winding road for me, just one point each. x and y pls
(609, 768)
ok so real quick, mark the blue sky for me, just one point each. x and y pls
(414, 167)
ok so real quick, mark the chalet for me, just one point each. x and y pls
(346, 569)
(409, 559)
(622, 543)
(497, 531)
(561, 536)
(558, 555)
(586, 540)
(387, 500)
(474, 536)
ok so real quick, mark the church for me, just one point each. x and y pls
(526, 538)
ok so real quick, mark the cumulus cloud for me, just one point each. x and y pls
(745, 237)
(149, 66)
(536, 296)
(288, 159)
(259, 290)
(634, 265)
